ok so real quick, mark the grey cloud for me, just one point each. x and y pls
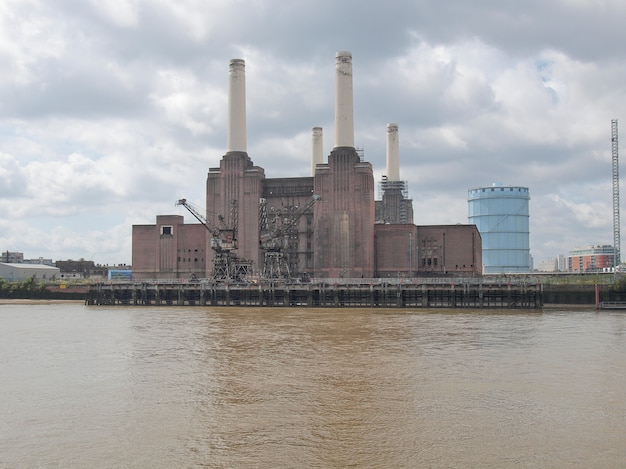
(461, 122)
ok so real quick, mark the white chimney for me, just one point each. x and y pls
(344, 113)
(317, 148)
(237, 106)
(393, 153)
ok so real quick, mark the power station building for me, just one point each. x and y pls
(502, 217)
(326, 226)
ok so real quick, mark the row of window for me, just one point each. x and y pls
(523, 190)
(188, 259)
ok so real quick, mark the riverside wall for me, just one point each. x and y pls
(336, 293)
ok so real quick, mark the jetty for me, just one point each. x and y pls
(334, 293)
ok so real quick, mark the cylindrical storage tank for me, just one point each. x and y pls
(501, 215)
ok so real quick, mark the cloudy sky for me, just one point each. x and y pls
(112, 110)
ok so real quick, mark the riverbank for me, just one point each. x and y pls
(30, 301)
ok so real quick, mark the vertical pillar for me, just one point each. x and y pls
(317, 148)
(237, 106)
(393, 153)
(344, 107)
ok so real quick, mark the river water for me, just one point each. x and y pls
(175, 387)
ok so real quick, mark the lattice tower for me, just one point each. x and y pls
(616, 221)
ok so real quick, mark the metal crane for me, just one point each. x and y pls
(226, 265)
(274, 239)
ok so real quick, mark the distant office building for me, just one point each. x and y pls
(550, 265)
(591, 259)
(502, 217)
(40, 260)
(12, 257)
(555, 264)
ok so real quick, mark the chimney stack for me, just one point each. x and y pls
(344, 112)
(236, 106)
(393, 153)
(317, 148)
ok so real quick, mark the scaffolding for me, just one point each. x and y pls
(395, 201)
(278, 238)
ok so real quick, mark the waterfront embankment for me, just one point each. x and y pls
(401, 293)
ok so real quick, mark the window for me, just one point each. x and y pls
(167, 230)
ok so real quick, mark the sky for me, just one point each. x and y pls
(111, 111)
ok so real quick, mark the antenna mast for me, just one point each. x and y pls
(616, 222)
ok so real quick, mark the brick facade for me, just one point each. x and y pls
(170, 249)
(336, 238)
(449, 250)
(395, 247)
(344, 217)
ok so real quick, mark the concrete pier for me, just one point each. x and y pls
(378, 294)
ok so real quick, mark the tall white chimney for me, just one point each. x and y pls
(393, 153)
(317, 148)
(344, 112)
(237, 106)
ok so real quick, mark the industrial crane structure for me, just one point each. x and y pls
(226, 265)
(274, 231)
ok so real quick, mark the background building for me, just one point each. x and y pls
(21, 272)
(9, 257)
(549, 265)
(502, 217)
(555, 264)
(591, 259)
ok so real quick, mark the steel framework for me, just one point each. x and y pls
(616, 221)
(275, 234)
(226, 265)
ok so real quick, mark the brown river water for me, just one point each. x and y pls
(185, 387)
